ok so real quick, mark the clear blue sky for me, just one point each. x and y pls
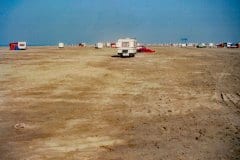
(150, 21)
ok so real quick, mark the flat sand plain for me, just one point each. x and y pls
(83, 104)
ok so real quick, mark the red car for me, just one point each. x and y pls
(145, 49)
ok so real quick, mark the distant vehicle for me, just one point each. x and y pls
(202, 45)
(99, 45)
(113, 45)
(108, 44)
(127, 47)
(60, 45)
(183, 45)
(229, 45)
(233, 45)
(144, 49)
(221, 45)
(18, 46)
(13, 46)
(82, 44)
(210, 45)
(22, 45)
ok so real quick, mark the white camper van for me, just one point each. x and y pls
(22, 45)
(60, 45)
(127, 47)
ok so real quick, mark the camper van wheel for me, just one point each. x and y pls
(132, 55)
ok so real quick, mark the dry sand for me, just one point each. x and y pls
(83, 104)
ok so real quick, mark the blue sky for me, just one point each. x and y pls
(150, 21)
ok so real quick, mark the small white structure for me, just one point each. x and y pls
(229, 45)
(99, 45)
(175, 45)
(108, 44)
(190, 45)
(183, 45)
(210, 45)
(22, 45)
(82, 44)
(127, 47)
(60, 45)
(201, 45)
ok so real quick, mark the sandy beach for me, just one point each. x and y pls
(87, 104)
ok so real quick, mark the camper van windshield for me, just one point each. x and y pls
(125, 44)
